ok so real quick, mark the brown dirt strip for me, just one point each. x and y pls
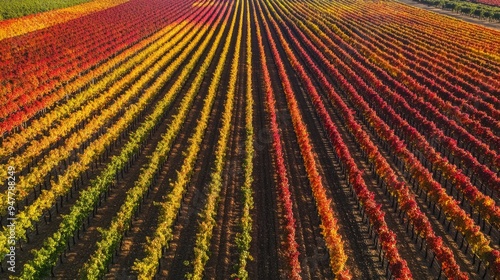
(265, 238)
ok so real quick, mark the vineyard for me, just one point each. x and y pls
(482, 9)
(248, 139)
(18, 8)
(489, 2)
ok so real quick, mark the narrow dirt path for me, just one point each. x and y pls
(265, 238)
(224, 250)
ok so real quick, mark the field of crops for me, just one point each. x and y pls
(18, 8)
(482, 9)
(37, 19)
(489, 2)
(250, 139)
